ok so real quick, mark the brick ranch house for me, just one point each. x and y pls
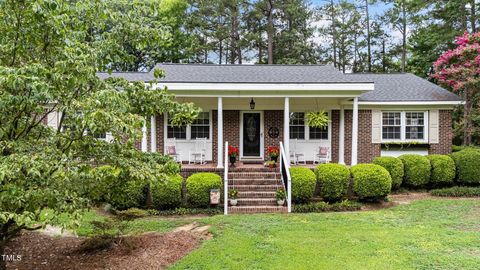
(370, 114)
(253, 107)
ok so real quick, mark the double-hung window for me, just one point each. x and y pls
(297, 125)
(178, 132)
(392, 125)
(404, 126)
(300, 130)
(415, 125)
(200, 128)
(318, 133)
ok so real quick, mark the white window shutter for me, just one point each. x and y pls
(433, 126)
(376, 126)
(52, 119)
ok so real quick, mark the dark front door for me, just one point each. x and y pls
(251, 134)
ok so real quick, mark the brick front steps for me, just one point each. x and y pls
(256, 191)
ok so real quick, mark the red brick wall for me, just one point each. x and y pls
(366, 150)
(335, 122)
(231, 130)
(445, 134)
(272, 119)
(160, 133)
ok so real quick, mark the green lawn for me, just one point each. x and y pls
(429, 234)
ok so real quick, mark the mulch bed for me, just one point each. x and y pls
(147, 251)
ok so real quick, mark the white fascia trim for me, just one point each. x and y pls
(387, 103)
(268, 86)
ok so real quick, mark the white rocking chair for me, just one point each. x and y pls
(296, 157)
(171, 150)
(198, 155)
(322, 155)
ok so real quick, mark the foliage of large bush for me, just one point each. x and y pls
(333, 180)
(371, 181)
(468, 166)
(443, 169)
(303, 184)
(199, 186)
(167, 194)
(394, 166)
(417, 170)
(116, 186)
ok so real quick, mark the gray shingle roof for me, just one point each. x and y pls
(208, 73)
(388, 87)
(403, 87)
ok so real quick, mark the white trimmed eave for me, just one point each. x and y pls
(267, 89)
(403, 104)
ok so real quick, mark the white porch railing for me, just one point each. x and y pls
(285, 174)
(225, 181)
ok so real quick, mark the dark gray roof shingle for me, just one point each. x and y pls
(388, 87)
(403, 87)
(208, 73)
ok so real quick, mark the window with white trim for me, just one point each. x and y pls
(315, 133)
(297, 125)
(404, 126)
(201, 126)
(391, 125)
(178, 132)
(415, 125)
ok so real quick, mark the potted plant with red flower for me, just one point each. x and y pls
(232, 154)
(273, 152)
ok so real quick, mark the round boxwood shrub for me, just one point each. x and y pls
(199, 186)
(443, 170)
(167, 194)
(417, 170)
(468, 166)
(394, 166)
(303, 184)
(371, 181)
(333, 180)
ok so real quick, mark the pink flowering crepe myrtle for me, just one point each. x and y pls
(460, 68)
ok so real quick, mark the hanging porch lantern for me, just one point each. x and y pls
(252, 104)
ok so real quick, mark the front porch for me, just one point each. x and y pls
(255, 123)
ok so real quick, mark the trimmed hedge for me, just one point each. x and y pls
(468, 166)
(199, 186)
(457, 192)
(443, 170)
(371, 181)
(417, 170)
(333, 180)
(303, 184)
(394, 166)
(167, 194)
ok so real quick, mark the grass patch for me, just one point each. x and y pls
(317, 207)
(426, 234)
(456, 192)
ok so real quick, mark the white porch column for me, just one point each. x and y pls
(220, 133)
(286, 128)
(144, 136)
(153, 134)
(355, 131)
(341, 137)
